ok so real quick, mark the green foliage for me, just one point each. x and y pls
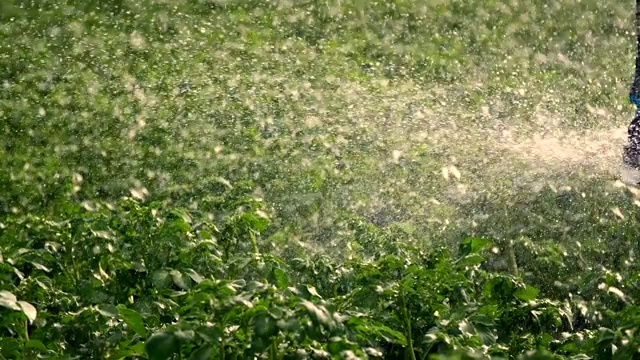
(130, 279)
(216, 179)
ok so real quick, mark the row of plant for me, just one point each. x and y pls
(145, 280)
(180, 101)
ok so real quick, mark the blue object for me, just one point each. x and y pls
(635, 99)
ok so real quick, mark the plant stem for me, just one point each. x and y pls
(513, 264)
(254, 242)
(222, 349)
(273, 353)
(407, 322)
(426, 353)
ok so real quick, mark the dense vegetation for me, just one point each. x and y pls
(211, 179)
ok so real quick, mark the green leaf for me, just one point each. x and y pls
(483, 320)
(541, 354)
(224, 181)
(181, 225)
(133, 320)
(289, 326)
(264, 325)
(257, 223)
(528, 293)
(122, 354)
(204, 353)
(318, 314)
(35, 344)
(40, 266)
(210, 334)
(337, 345)
(10, 346)
(162, 346)
(389, 334)
(500, 288)
(194, 276)
(160, 279)
(138, 348)
(473, 245)
(281, 278)
(185, 336)
(28, 310)
(108, 310)
(305, 291)
(179, 279)
(470, 260)
(276, 313)
(407, 285)
(259, 344)
(180, 214)
(606, 336)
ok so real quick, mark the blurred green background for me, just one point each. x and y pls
(321, 107)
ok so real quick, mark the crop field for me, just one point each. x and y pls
(317, 179)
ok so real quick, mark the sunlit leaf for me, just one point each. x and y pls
(40, 266)
(617, 292)
(8, 300)
(28, 310)
(527, 293)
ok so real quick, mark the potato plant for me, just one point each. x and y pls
(222, 179)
